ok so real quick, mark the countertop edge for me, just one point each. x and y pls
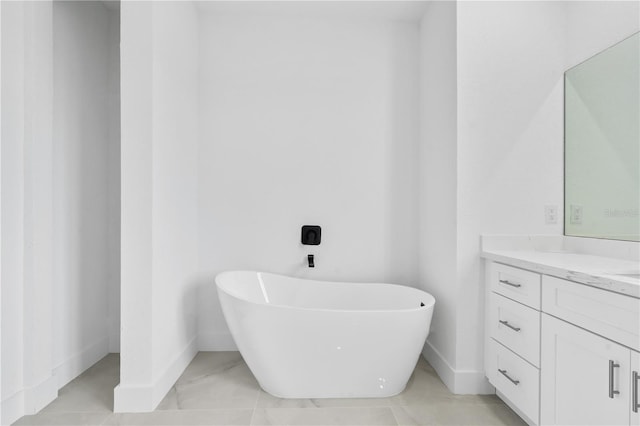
(598, 281)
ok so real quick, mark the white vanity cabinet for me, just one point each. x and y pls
(585, 379)
(512, 355)
(561, 352)
(586, 357)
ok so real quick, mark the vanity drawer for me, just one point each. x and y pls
(515, 378)
(609, 314)
(517, 284)
(516, 326)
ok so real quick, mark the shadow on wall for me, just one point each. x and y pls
(213, 332)
(190, 308)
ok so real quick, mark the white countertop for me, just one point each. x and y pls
(597, 271)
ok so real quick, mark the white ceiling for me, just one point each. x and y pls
(390, 9)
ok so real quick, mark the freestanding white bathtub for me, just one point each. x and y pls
(315, 339)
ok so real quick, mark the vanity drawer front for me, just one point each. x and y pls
(515, 378)
(615, 316)
(516, 326)
(517, 284)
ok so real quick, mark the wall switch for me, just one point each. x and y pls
(550, 215)
(576, 214)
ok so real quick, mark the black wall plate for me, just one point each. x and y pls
(311, 235)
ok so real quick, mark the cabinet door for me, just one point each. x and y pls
(585, 379)
(635, 388)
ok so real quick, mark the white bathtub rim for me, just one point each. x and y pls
(427, 306)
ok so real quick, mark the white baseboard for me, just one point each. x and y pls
(78, 363)
(216, 342)
(132, 399)
(445, 371)
(39, 396)
(12, 408)
(29, 400)
(472, 382)
(145, 398)
(460, 382)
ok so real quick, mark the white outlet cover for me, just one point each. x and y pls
(550, 214)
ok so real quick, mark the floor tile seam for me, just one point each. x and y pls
(106, 419)
(344, 406)
(217, 371)
(201, 408)
(453, 401)
(253, 413)
(182, 410)
(388, 408)
(338, 407)
(255, 405)
(44, 413)
(395, 419)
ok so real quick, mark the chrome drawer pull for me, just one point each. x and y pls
(612, 392)
(634, 392)
(507, 282)
(509, 325)
(504, 373)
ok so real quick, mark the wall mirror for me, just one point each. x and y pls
(602, 144)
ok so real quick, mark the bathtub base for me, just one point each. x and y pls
(316, 340)
(387, 393)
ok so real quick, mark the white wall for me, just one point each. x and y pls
(39, 383)
(136, 214)
(159, 90)
(593, 26)
(305, 120)
(175, 183)
(113, 180)
(82, 274)
(12, 210)
(510, 62)
(53, 203)
(439, 172)
(27, 380)
(509, 140)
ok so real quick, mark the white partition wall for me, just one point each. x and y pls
(39, 384)
(27, 374)
(113, 178)
(438, 172)
(159, 198)
(12, 211)
(82, 210)
(54, 209)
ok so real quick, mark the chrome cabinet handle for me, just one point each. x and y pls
(507, 282)
(634, 392)
(612, 392)
(504, 373)
(509, 325)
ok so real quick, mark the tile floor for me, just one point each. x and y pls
(218, 389)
